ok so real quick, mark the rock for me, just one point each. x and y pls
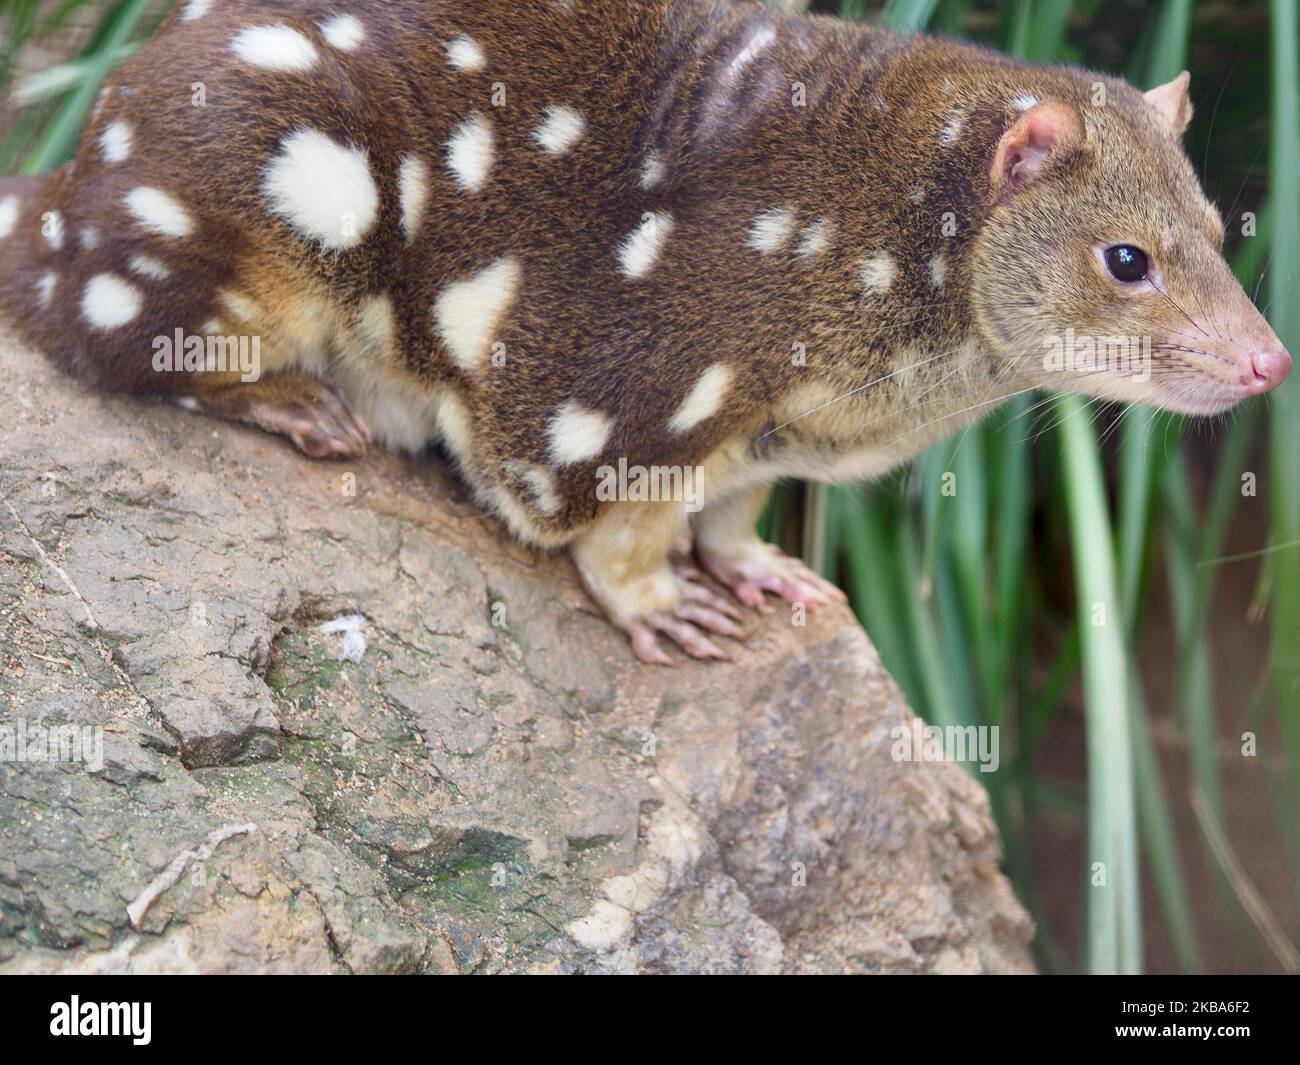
(486, 782)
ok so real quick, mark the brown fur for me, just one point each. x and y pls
(865, 152)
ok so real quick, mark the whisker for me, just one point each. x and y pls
(1174, 304)
(855, 391)
(958, 413)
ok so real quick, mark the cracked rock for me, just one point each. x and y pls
(494, 786)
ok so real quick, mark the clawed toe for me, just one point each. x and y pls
(703, 596)
(325, 425)
(687, 634)
(672, 600)
(314, 414)
(700, 614)
(761, 568)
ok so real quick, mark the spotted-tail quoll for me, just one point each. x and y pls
(691, 240)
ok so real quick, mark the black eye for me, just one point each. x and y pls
(1126, 262)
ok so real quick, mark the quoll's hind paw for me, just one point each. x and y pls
(756, 567)
(322, 425)
(700, 612)
(312, 413)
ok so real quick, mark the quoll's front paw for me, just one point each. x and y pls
(672, 603)
(699, 611)
(753, 567)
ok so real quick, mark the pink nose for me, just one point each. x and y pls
(1269, 368)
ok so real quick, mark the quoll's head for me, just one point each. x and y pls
(1101, 254)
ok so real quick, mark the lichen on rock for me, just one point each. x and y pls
(492, 784)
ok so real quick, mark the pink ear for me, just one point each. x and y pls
(1047, 131)
(1173, 101)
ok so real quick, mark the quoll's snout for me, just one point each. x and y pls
(1265, 366)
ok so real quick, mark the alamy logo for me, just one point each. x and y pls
(192, 353)
(103, 1018)
(651, 484)
(1084, 353)
(24, 741)
(920, 742)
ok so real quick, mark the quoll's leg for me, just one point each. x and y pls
(625, 561)
(731, 552)
(315, 415)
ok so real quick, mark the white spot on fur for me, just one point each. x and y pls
(148, 266)
(109, 302)
(878, 273)
(640, 251)
(453, 424)
(90, 238)
(952, 130)
(816, 239)
(470, 153)
(465, 53)
(377, 325)
(577, 434)
(211, 328)
(771, 230)
(195, 9)
(756, 46)
(468, 312)
(45, 288)
(704, 399)
(100, 101)
(653, 171)
(938, 271)
(344, 32)
(413, 181)
(545, 491)
(274, 48)
(156, 210)
(239, 305)
(52, 229)
(323, 189)
(8, 215)
(560, 130)
(1024, 101)
(115, 143)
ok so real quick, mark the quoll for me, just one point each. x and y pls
(656, 235)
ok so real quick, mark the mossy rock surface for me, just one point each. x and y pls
(465, 796)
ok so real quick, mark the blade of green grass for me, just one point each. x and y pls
(818, 551)
(20, 24)
(934, 672)
(53, 81)
(59, 140)
(968, 550)
(1011, 463)
(1158, 837)
(1284, 455)
(908, 16)
(876, 590)
(1114, 929)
